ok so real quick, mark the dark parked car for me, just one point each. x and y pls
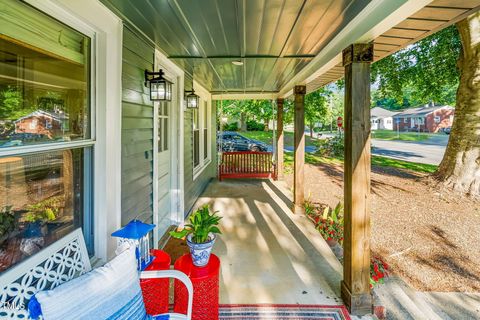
(447, 130)
(232, 141)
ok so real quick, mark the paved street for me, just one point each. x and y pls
(430, 151)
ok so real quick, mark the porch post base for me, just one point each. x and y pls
(298, 209)
(358, 304)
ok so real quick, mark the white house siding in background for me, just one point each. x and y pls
(381, 119)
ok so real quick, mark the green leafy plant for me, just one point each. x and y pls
(230, 126)
(309, 207)
(332, 147)
(202, 223)
(7, 220)
(46, 210)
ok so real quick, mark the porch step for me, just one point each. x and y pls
(402, 302)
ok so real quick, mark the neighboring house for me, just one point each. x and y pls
(41, 122)
(381, 119)
(425, 119)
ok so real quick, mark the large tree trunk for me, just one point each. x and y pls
(460, 167)
(243, 122)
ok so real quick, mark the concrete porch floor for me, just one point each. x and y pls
(268, 254)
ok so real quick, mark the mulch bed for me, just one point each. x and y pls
(429, 237)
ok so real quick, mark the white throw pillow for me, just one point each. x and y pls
(109, 292)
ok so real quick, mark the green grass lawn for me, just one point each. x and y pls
(266, 137)
(404, 136)
(400, 164)
(313, 158)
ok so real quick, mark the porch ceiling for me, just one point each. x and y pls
(273, 38)
(280, 42)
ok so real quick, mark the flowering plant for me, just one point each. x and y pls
(330, 223)
(378, 271)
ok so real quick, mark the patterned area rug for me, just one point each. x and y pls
(282, 312)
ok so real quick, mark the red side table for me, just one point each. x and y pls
(205, 288)
(155, 291)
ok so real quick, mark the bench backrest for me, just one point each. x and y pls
(246, 164)
(61, 261)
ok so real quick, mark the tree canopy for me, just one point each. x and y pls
(421, 73)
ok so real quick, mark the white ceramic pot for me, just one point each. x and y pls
(200, 251)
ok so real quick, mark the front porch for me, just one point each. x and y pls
(268, 254)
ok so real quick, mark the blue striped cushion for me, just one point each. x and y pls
(110, 292)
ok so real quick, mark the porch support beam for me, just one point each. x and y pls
(279, 160)
(355, 287)
(299, 138)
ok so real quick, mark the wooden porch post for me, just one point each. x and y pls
(356, 268)
(279, 138)
(299, 159)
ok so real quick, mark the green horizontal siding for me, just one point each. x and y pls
(194, 188)
(137, 131)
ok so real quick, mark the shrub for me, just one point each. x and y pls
(332, 147)
(253, 125)
(230, 127)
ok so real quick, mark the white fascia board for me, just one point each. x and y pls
(245, 96)
(201, 91)
(376, 18)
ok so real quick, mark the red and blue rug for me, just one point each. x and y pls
(282, 312)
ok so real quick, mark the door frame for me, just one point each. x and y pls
(176, 143)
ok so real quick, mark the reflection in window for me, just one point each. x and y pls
(43, 96)
(41, 200)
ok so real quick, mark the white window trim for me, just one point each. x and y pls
(204, 96)
(105, 30)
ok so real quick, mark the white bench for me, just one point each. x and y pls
(62, 261)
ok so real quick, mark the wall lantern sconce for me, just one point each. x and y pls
(192, 99)
(160, 88)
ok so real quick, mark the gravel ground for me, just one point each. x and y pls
(430, 238)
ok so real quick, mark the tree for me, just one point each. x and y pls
(429, 70)
(316, 107)
(423, 72)
(261, 110)
(237, 109)
(460, 167)
(10, 103)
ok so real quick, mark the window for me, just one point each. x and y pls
(421, 121)
(201, 139)
(436, 119)
(389, 121)
(196, 139)
(405, 120)
(163, 113)
(205, 130)
(45, 180)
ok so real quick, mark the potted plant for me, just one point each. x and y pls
(39, 213)
(7, 222)
(201, 234)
